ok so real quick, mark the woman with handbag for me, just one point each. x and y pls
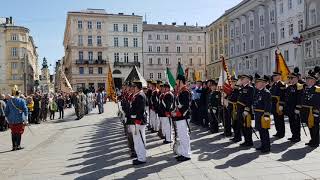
(17, 115)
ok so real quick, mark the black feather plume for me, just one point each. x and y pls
(296, 70)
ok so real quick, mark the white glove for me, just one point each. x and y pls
(296, 111)
(174, 114)
(214, 111)
(245, 113)
(225, 102)
(280, 108)
(266, 118)
(315, 115)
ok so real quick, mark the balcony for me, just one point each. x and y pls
(126, 64)
(91, 62)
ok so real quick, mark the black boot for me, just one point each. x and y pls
(14, 142)
(19, 142)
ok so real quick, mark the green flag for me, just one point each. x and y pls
(180, 70)
(171, 79)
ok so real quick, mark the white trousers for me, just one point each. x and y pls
(154, 120)
(166, 128)
(139, 140)
(183, 148)
(148, 112)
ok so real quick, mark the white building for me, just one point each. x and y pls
(166, 45)
(290, 17)
(93, 38)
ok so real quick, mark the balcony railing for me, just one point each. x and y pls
(90, 62)
(126, 64)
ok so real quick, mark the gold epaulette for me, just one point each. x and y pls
(299, 86)
(317, 89)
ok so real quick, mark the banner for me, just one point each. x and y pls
(281, 65)
(111, 93)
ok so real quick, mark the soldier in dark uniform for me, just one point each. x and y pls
(278, 90)
(181, 117)
(310, 108)
(293, 105)
(231, 109)
(153, 106)
(195, 103)
(262, 108)
(214, 106)
(148, 94)
(138, 116)
(244, 110)
(166, 105)
(161, 93)
(204, 103)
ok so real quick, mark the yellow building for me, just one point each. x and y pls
(17, 48)
(217, 45)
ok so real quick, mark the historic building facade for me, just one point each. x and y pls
(290, 21)
(253, 36)
(93, 38)
(311, 35)
(18, 58)
(166, 45)
(217, 34)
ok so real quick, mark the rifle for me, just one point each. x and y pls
(299, 119)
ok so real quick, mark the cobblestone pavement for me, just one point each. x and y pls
(95, 148)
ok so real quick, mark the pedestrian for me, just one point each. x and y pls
(52, 108)
(181, 117)
(44, 107)
(16, 112)
(36, 108)
(262, 109)
(100, 101)
(61, 105)
(3, 122)
(214, 107)
(30, 105)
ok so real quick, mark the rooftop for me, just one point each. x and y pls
(99, 12)
(172, 28)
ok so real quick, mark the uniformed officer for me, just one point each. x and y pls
(181, 116)
(231, 109)
(160, 111)
(293, 104)
(214, 107)
(262, 108)
(278, 90)
(310, 108)
(195, 103)
(244, 110)
(154, 106)
(138, 116)
(148, 94)
(165, 107)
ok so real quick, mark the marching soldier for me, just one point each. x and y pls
(277, 90)
(244, 111)
(160, 123)
(262, 108)
(138, 116)
(181, 117)
(214, 107)
(165, 107)
(310, 108)
(148, 94)
(231, 109)
(154, 106)
(293, 105)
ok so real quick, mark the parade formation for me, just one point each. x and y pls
(245, 108)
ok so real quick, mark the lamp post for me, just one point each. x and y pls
(25, 60)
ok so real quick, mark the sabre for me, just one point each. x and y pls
(254, 132)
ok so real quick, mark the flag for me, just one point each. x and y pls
(281, 66)
(65, 85)
(197, 76)
(234, 73)
(170, 78)
(222, 78)
(180, 70)
(226, 77)
(225, 69)
(111, 93)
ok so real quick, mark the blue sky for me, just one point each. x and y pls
(46, 18)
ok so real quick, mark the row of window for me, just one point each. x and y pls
(125, 57)
(290, 5)
(167, 61)
(90, 70)
(158, 49)
(89, 40)
(159, 75)
(312, 49)
(16, 37)
(166, 37)
(218, 32)
(90, 55)
(125, 42)
(98, 25)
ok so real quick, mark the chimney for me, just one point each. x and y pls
(159, 23)
(120, 13)
(174, 23)
(185, 23)
(132, 14)
(145, 22)
(10, 19)
(7, 20)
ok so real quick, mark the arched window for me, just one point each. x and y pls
(116, 71)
